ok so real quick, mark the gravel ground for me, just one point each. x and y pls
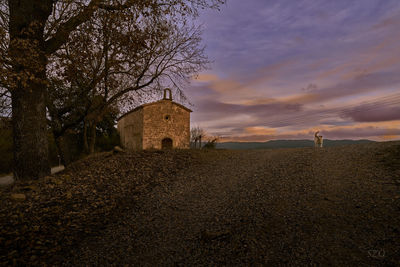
(334, 206)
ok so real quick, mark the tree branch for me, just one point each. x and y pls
(61, 36)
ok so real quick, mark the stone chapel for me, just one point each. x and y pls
(163, 124)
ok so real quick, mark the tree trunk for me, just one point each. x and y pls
(89, 137)
(28, 87)
(63, 150)
(85, 137)
(92, 140)
(30, 134)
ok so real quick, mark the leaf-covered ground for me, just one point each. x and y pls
(334, 206)
(62, 210)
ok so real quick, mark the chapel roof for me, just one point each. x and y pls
(154, 103)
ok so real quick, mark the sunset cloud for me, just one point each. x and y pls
(285, 68)
(374, 112)
(380, 132)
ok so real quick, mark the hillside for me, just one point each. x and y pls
(286, 144)
(300, 206)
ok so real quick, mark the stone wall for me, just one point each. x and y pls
(130, 128)
(165, 119)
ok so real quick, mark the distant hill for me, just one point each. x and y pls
(286, 144)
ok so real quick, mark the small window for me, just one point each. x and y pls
(167, 117)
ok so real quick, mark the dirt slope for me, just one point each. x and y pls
(296, 206)
(333, 206)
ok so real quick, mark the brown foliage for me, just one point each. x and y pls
(56, 212)
(30, 32)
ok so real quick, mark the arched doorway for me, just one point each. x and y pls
(166, 143)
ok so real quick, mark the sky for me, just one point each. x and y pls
(283, 69)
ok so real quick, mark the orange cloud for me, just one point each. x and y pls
(259, 101)
(260, 131)
(207, 77)
(228, 89)
(300, 98)
(391, 133)
(381, 131)
(271, 72)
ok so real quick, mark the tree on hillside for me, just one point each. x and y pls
(36, 29)
(211, 142)
(112, 57)
(196, 134)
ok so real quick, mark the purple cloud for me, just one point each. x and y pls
(287, 65)
(375, 112)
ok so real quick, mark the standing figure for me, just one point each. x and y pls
(318, 140)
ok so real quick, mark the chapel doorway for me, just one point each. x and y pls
(166, 143)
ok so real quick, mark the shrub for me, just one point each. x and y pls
(211, 144)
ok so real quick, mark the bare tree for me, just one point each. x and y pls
(36, 29)
(111, 57)
(211, 142)
(196, 134)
